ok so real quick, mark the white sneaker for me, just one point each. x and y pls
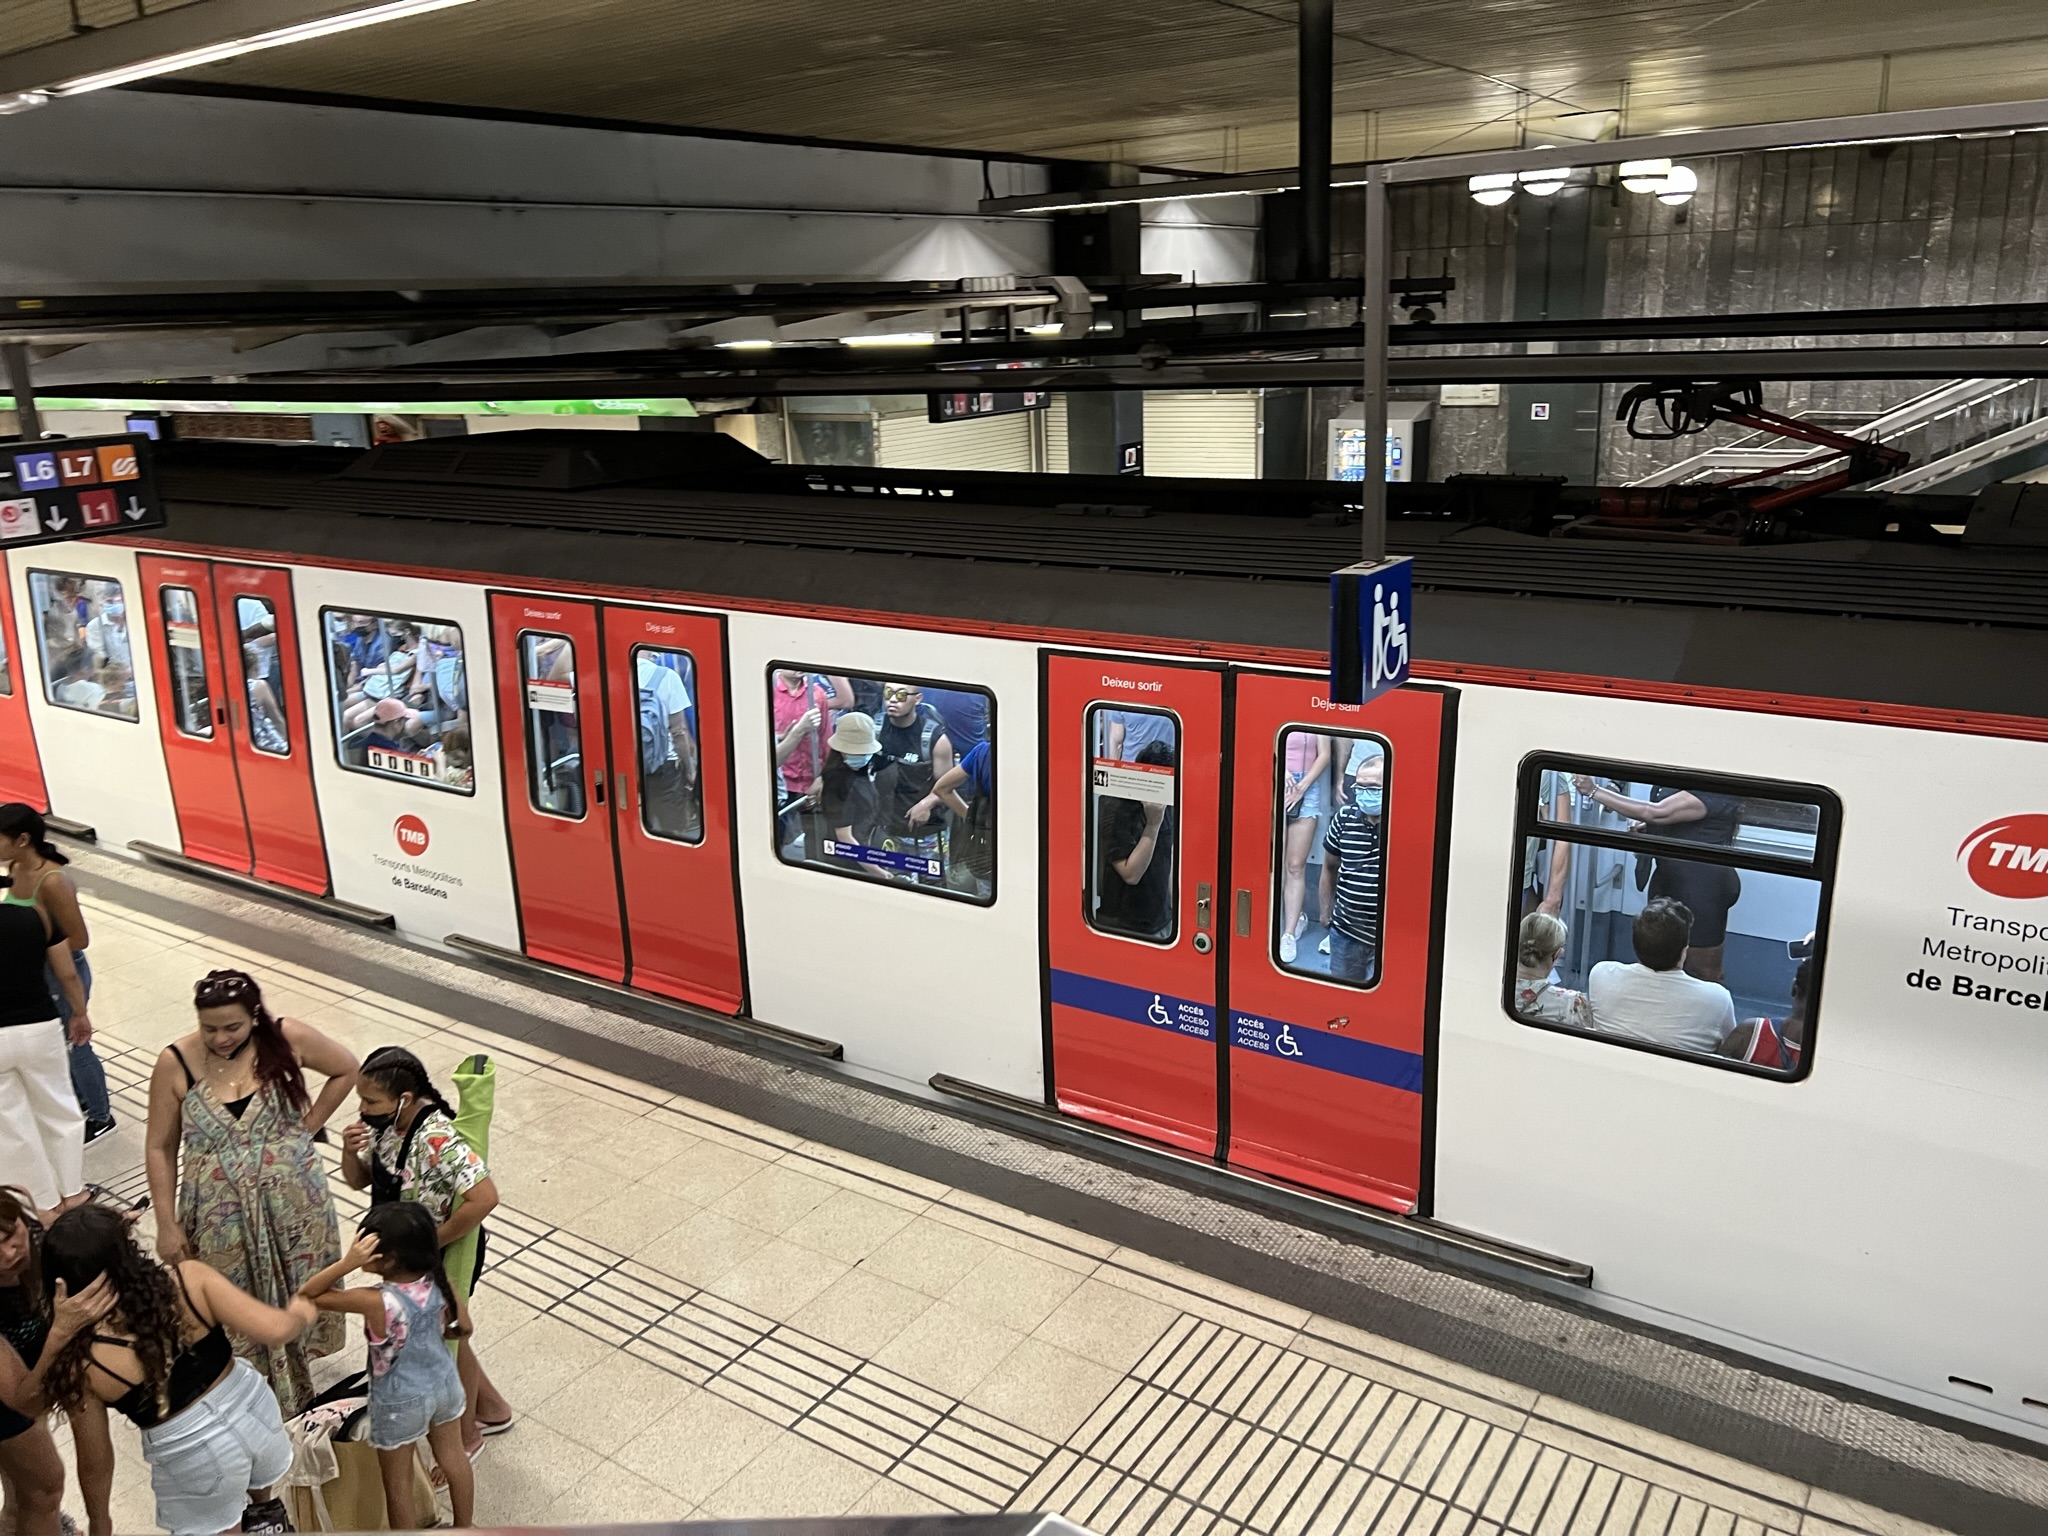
(1287, 948)
(1324, 947)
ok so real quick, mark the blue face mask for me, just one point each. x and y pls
(1369, 797)
(860, 762)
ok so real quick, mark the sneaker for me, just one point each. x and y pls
(99, 1130)
(1287, 949)
(1324, 947)
(268, 1518)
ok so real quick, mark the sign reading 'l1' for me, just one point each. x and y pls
(76, 488)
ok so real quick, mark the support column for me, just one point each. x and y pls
(1379, 261)
(1316, 56)
(1560, 274)
(1100, 424)
(30, 419)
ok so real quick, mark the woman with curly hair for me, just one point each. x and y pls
(211, 1432)
(251, 1198)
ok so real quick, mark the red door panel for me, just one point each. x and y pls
(557, 782)
(1327, 1080)
(1133, 1020)
(179, 617)
(21, 766)
(266, 708)
(675, 844)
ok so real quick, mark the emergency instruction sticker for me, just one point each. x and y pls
(551, 697)
(1151, 783)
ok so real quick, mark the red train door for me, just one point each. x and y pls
(21, 766)
(1133, 787)
(199, 751)
(263, 692)
(558, 781)
(1335, 833)
(672, 803)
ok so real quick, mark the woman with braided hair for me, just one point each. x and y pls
(250, 1194)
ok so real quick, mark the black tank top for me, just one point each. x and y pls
(24, 948)
(194, 1370)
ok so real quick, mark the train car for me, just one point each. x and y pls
(1424, 958)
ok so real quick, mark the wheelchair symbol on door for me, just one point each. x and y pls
(1157, 1012)
(1284, 1043)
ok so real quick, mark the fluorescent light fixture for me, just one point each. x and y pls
(746, 344)
(1492, 191)
(892, 339)
(213, 53)
(1679, 186)
(1645, 175)
(1050, 328)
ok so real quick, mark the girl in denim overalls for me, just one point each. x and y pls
(415, 1392)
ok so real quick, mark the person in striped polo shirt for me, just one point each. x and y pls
(1353, 849)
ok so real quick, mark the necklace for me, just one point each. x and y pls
(221, 1069)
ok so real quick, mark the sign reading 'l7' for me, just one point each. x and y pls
(75, 488)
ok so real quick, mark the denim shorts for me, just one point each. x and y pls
(204, 1461)
(1310, 804)
(396, 1422)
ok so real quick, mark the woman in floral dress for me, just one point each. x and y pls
(251, 1198)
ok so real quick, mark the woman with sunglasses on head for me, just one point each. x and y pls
(406, 1147)
(251, 1196)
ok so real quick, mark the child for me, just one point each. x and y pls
(414, 1388)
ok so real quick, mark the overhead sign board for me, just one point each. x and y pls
(76, 488)
(965, 405)
(1371, 629)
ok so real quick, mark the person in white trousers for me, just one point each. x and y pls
(42, 1132)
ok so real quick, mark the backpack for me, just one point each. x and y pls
(655, 743)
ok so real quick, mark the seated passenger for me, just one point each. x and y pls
(1134, 886)
(1654, 999)
(1777, 1043)
(1538, 951)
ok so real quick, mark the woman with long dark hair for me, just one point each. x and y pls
(36, 866)
(251, 1197)
(211, 1431)
(406, 1147)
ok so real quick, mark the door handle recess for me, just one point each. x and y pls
(222, 713)
(1244, 914)
(1203, 903)
(598, 779)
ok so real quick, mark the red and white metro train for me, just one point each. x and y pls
(695, 743)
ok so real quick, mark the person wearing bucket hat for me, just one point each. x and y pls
(847, 786)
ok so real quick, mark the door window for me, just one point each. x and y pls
(1133, 827)
(554, 730)
(671, 790)
(1329, 805)
(401, 699)
(1671, 910)
(191, 699)
(6, 671)
(82, 626)
(263, 675)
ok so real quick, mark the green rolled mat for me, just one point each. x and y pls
(476, 1096)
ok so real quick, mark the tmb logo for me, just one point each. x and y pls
(2009, 857)
(411, 833)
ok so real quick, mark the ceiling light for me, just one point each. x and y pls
(746, 344)
(1645, 175)
(892, 339)
(1544, 183)
(1049, 328)
(1679, 186)
(213, 53)
(1492, 191)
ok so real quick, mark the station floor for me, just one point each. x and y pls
(723, 1286)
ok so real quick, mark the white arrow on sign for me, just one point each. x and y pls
(135, 509)
(56, 522)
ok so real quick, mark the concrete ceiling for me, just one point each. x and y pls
(1202, 84)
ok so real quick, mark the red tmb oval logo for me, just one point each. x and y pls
(2009, 857)
(411, 833)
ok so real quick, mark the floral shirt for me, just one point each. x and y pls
(439, 1168)
(384, 1351)
(1552, 1004)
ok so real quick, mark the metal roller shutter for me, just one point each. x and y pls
(1055, 417)
(990, 443)
(1207, 434)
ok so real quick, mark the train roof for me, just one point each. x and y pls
(1230, 563)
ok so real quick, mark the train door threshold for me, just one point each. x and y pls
(77, 831)
(674, 1015)
(347, 911)
(1417, 1234)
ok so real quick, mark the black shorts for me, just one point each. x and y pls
(1709, 889)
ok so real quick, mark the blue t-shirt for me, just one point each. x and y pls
(1141, 729)
(965, 714)
(980, 764)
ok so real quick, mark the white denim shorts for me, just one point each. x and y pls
(204, 1461)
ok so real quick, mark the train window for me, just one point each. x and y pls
(262, 675)
(191, 699)
(886, 779)
(1133, 832)
(82, 627)
(401, 698)
(671, 798)
(1672, 911)
(1329, 801)
(554, 730)
(6, 670)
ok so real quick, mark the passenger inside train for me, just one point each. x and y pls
(905, 794)
(401, 704)
(1707, 955)
(82, 623)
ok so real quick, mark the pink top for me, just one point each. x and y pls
(1301, 751)
(798, 771)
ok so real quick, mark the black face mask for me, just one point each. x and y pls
(380, 1123)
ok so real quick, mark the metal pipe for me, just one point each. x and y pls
(1315, 49)
(30, 420)
(1379, 261)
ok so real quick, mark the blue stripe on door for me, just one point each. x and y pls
(1332, 1053)
(1114, 1000)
